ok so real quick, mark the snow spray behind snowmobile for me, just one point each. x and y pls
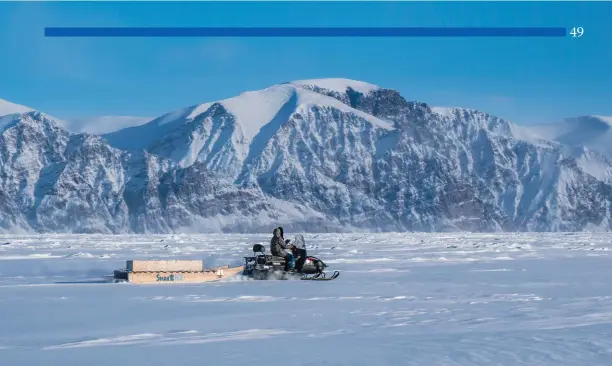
(262, 266)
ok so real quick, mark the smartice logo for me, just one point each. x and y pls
(171, 278)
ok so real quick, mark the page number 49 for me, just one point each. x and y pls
(577, 32)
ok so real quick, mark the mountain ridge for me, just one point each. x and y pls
(316, 155)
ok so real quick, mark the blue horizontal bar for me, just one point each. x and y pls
(304, 32)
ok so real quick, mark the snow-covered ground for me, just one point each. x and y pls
(402, 299)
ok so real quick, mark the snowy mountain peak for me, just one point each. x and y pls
(104, 124)
(31, 118)
(7, 108)
(593, 132)
(605, 119)
(337, 85)
(590, 121)
(234, 129)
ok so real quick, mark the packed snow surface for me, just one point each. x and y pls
(402, 299)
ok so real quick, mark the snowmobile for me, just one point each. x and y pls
(262, 266)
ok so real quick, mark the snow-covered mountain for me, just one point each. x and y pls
(586, 138)
(317, 155)
(593, 132)
(52, 180)
(232, 133)
(92, 125)
(104, 124)
(7, 108)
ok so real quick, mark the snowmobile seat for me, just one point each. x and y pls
(258, 248)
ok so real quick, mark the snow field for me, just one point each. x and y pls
(401, 299)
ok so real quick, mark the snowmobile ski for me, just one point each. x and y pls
(322, 278)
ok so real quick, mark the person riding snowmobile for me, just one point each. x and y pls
(278, 246)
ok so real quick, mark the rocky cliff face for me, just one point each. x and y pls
(317, 155)
(53, 181)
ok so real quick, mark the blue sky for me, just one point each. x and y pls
(523, 80)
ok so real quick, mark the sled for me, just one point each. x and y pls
(171, 271)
